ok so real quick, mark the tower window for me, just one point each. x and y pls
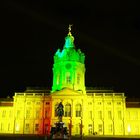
(58, 79)
(78, 78)
(68, 78)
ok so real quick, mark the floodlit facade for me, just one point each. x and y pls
(87, 111)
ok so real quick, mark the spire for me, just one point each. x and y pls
(69, 30)
(69, 39)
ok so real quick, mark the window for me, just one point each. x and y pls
(37, 127)
(100, 114)
(17, 127)
(118, 103)
(90, 129)
(8, 126)
(108, 103)
(77, 129)
(18, 114)
(109, 115)
(100, 128)
(119, 115)
(58, 79)
(89, 103)
(27, 114)
(3, 113)
(28, 103)
(90, 114)
(78, 110)
(37, 115)
(37, 103)
(47, 103)
(1, 126)
(46, 113)
(68, 78)
(67, 112)
(78, 78)
(110, 128)
(120, 128)
(27, 127)
(46, 128)
(99, 103)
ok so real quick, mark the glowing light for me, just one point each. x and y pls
(17, 127)
(129, 128)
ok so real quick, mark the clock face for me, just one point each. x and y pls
(68, 66)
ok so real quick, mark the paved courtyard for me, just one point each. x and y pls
(38, 137)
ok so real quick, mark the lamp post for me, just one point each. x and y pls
(81, 128)
(70, 128)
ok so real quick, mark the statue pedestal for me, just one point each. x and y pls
(59, 131)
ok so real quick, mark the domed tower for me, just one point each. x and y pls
(69, 67)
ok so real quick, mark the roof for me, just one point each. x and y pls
(133, 102)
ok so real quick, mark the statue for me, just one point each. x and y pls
(60, 111)
(59, 131)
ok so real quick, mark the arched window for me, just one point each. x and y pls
(58, 79)
(67, 110)
(68, 78)
(78, 110)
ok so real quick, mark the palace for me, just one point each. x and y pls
(87, 111)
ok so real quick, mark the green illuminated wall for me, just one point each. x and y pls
(69, 67)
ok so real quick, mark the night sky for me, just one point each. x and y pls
(108, 32)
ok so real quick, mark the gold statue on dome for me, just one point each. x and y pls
(69, 29)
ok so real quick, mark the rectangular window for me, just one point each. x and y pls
(100, 128)
(1, 126)
(78, 113)
(90, 129)
(27, 127)
(109, 115)
(3, 113)
(119, 115)
(90, 114)
(100, 114)
(37, 127)
(58, 79)
(110, 128)
(108, 103)
(37, 114)
(17, 127)
(78, 78)
(67, 110)
(47, 113)
(27, 114)
(77, 128)
(8, 126)
(118, 103)
(18, 114)
(68, 78)
(78, 110)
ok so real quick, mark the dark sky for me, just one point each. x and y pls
(107, 32)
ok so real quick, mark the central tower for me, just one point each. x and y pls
(69, 67)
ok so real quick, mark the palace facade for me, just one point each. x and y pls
(87, 111)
